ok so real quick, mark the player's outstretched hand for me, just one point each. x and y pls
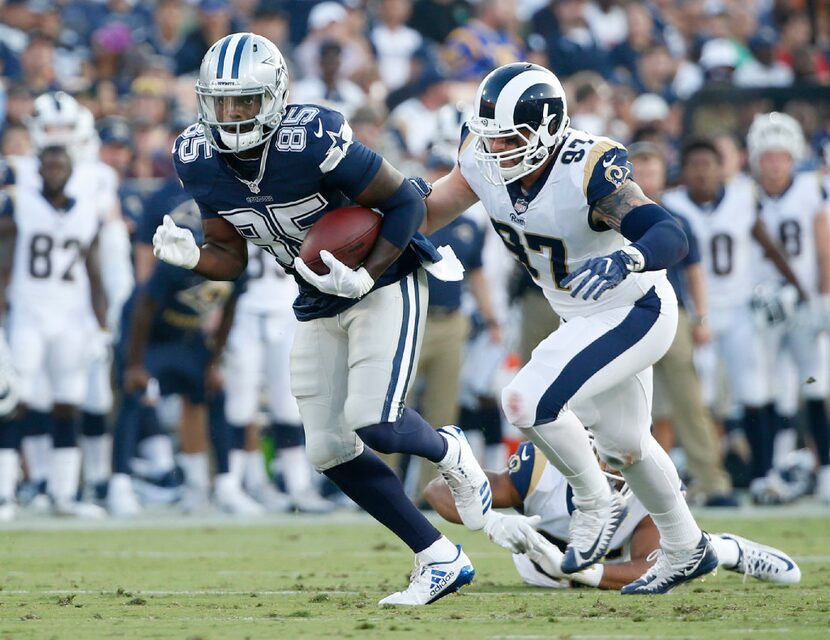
(175, 245)
(547, 556)
(513, 532)
(600, 274)
(340, 281)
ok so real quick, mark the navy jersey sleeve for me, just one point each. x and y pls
(196, 167)
(6, 205)
(346, 163)
(521, 468)
(165, 281)
(476, 256)
(7, 178)
(606, 170)
(693, 257)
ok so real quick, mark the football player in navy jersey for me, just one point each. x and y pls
(265, 172)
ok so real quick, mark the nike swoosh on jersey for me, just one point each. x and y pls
(319, 132)
(524, 455)
(609, 162)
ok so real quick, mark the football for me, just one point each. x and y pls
(348, 233)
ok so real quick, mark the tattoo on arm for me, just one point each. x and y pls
(615, 206)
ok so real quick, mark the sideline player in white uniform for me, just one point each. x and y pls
(794, 207)
(256, 358)
(562, 201)
(724, 219)
(534, 487)
(55, 280)
(58, 119)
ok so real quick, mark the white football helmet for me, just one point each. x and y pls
(774, 132)
(519, 99)
(60, 120)
(242, 66)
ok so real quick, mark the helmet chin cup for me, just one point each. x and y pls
(237, 142)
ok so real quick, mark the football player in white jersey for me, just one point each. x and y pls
(534, 487)
(563, 203)
(794, 208)
(56, 279)
(58, 119)
(724, 219)
(256, 358)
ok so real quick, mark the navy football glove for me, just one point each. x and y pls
(600, 274)
(423, 187)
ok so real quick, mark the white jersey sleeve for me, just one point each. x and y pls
(549, 228)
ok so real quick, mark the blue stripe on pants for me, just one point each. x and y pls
(597, 355)
(414, 337)
(396, 362)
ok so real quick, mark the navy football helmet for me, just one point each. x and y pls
(524, 100)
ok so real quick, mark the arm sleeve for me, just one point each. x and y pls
(656, 234)
(522, 469)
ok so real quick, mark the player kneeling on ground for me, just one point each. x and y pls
(534, 487)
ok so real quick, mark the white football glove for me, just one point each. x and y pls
(175, 245)
(514, 532)
(547, 556)
(340, 281)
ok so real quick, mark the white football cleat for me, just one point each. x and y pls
(194, 500)
(467, 481)
(274, 500)
(8, 510)
(765, 563)
(431, 582)
(312, 502)
(823, 484)
(122, 501)
(230, 497)
(76, 509)
(591, 532)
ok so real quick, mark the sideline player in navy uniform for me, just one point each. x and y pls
(264, 172)
(562, 201)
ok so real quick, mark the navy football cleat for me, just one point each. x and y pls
(672, 570)
(431, 582)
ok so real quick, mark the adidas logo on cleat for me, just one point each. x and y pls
(440, 579)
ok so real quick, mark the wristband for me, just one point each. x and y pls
(591, 576)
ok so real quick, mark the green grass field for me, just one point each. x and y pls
(314, 578)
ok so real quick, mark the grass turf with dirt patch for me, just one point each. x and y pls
(312, 578)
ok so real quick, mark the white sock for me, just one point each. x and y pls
(158, 451)
(726, 550)
(64, 474)
(655, 482)
(37, 451)
(784, 443)
(255, 474)
(237, 458)
(442, 550)
(196, 469)
(9, 473)
(97, 453)
(296, 471)
(495, 456)
(566, 445)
